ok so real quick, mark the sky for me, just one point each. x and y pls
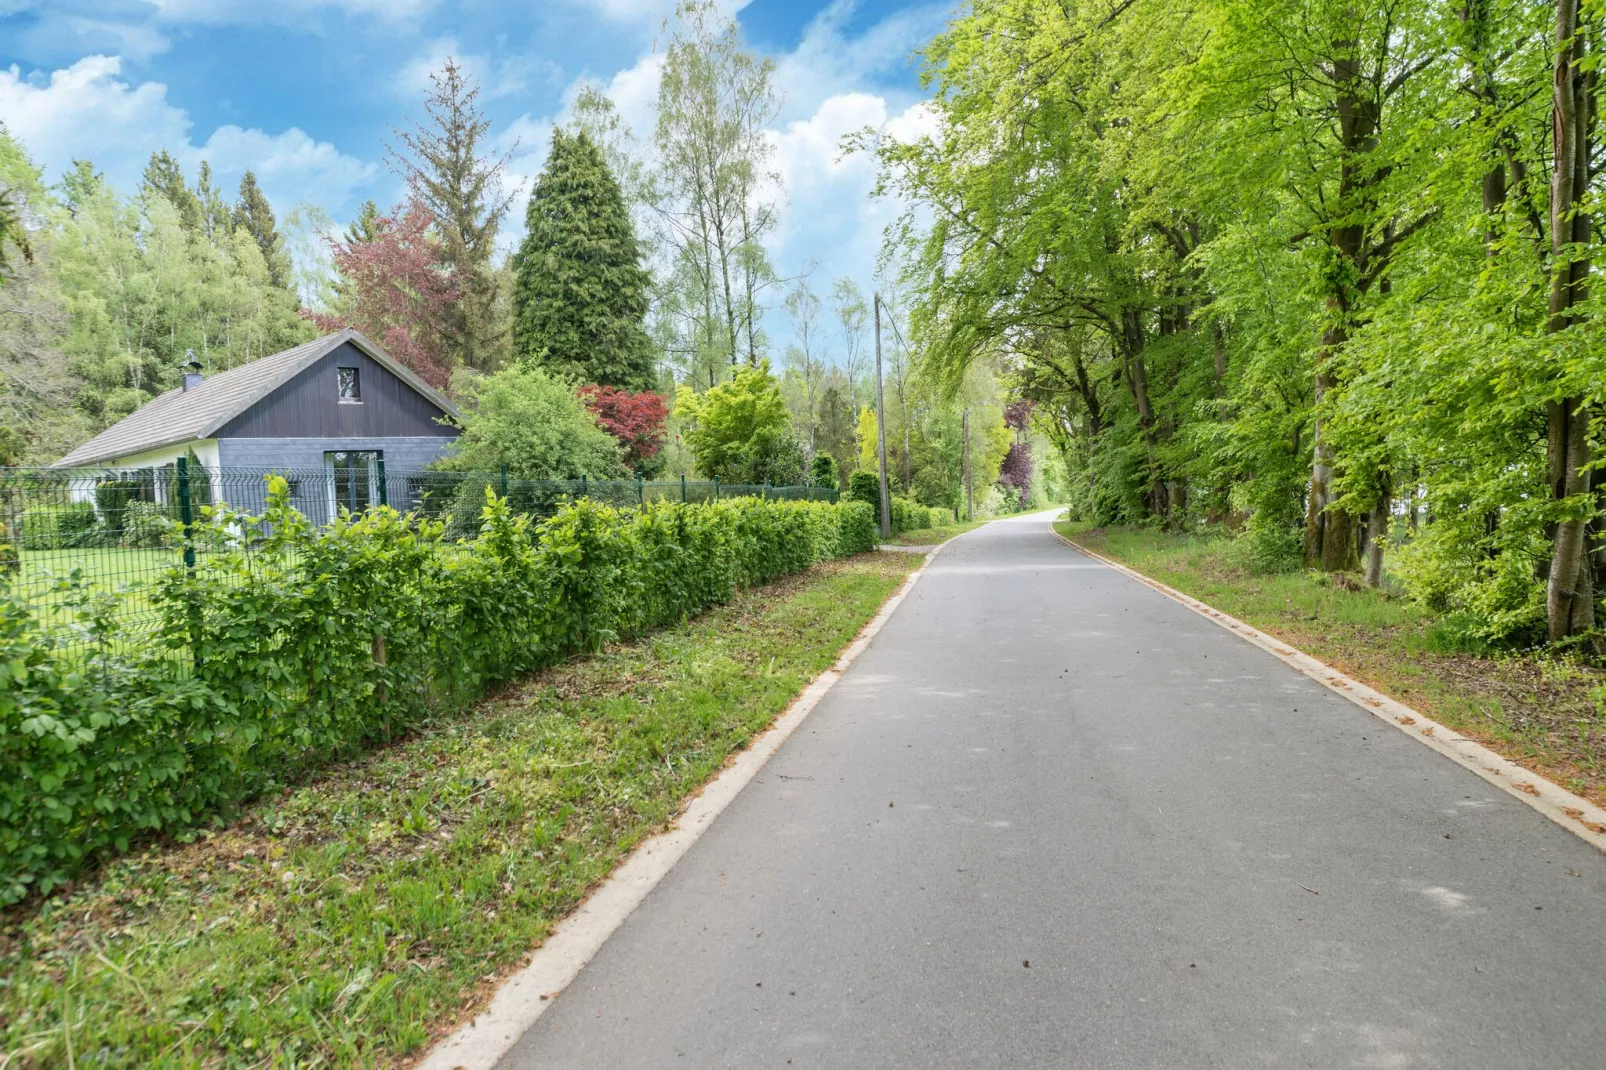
(307, 93)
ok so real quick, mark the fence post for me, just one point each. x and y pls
(716, 488)
(585, 486)
(504, 481)
(384, 496)
(186, 516)
(765, 493)
(683, 488)
(640, 498)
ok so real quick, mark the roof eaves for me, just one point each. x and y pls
(100, 457)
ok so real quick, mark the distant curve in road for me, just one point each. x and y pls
(1051, 818)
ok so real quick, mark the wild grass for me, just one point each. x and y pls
(350, 920)
(1545, 712)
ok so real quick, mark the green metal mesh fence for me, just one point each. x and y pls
(121, 530)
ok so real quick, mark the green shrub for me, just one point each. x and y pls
(321, 640)
(822, 471)
(865, 487)
(147, 525)
(112, 498)
(58, 527)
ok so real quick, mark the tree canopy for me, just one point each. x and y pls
(739, 429)
(1319, 269)
(580, 293)
(536, 425)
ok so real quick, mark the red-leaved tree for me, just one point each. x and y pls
(635, 420)
(396, 290)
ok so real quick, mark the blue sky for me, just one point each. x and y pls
(305, 92)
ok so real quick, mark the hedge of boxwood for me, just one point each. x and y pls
(291, 645)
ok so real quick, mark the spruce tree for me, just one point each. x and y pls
(367, 226)
(444, 162)
(579, 290)
(164, 177)
(253, 212)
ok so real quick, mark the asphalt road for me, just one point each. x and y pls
(1052, 819)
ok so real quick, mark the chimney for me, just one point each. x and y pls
(192, 370)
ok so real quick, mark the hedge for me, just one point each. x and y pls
(65, 527)
(907, 514)
(291, 645)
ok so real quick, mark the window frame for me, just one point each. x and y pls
(356, 385)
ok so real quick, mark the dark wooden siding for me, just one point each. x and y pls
(308, 406)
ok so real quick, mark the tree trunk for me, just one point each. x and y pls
(1218, 351)
(1137, 378)
(1377, 533)
(1329, 532)
(1569, 596)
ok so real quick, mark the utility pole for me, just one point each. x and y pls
(964, 423)
(881, 428)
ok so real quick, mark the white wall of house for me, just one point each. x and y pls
(82, 487)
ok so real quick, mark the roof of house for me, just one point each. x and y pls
(203, 409)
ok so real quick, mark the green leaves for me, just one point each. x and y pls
(735, 428)
(319, 642)
(579, 291)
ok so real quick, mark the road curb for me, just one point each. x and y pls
(523, 996)
(1572, 812)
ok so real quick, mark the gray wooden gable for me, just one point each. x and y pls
(308, 405)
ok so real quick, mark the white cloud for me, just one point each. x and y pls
(290, 166)
(498, 76)
(216, 12)
(828, 61)
(86, 111)
(649, 13)
(830, 215)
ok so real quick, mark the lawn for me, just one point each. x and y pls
(348, 921)
(125, 574)
(1546, 713)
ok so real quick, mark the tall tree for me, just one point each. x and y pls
(712, 192)
(580, 293)
(1570, 595)
(444, 160)
(805, 361)
(399, 291)
(164, 177)
(852, 317)
(253, 212)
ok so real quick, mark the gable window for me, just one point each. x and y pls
(350, 386)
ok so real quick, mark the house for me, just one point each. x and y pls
(325, 414)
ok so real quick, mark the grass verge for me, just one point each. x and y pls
(349, 921)
(1545, 713)
(932, 536)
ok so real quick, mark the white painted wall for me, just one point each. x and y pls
(82, 488)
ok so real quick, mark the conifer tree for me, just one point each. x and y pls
(443, 161)
(253, 212)
(163, 176)
(579, 290)
(367, 226)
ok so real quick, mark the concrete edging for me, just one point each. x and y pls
(524, 995)
(1572, 812)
